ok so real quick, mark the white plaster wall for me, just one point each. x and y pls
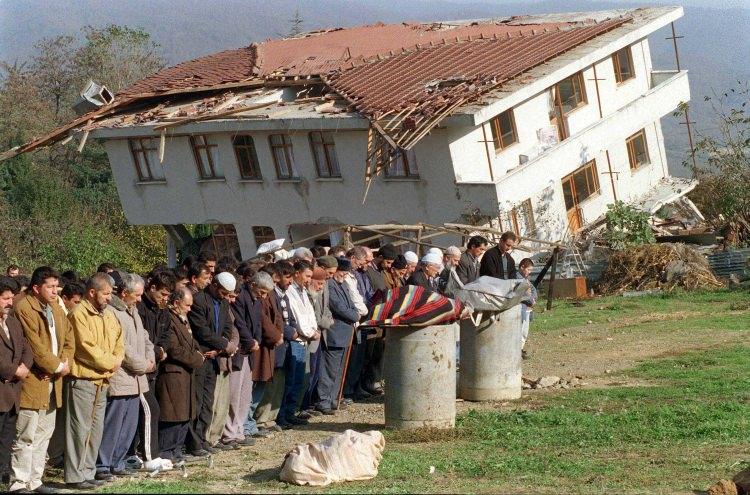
(433, 198)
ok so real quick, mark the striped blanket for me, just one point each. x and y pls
(413, 305)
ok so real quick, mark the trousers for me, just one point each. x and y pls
(240, 400)
(120, 427)
(33, 430)
(85, 407)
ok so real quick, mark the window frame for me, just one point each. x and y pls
(590, 173)
(206, 146)
(288, 147)
(403, 155)
(261, 233)
(629, 144)
(142, 151)
(576, 79)
(252, 152)
(329, 152)
(618, 68)
(496, 130)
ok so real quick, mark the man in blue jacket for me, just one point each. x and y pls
(336, 339)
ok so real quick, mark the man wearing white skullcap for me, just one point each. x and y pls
(212, 329)
(430, 267)
(411, 264)
(450, 259)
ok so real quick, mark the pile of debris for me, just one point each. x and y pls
(657, 266)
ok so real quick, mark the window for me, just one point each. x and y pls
(263, 234)
(638, 150)
(144, 152)
(571, 93)
(404, 164)
(206, 157)
(247, 158)
(283, 156)
(503, 130)
(324, 152)
(566, 96)
(623, 62)
(520, 219)
(580, 185)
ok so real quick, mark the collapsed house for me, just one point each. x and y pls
(532, 124)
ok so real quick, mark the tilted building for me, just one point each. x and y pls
(535, 123)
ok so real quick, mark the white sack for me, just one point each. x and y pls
(349, 456)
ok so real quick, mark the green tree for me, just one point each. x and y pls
(627, 226)
(723, 159)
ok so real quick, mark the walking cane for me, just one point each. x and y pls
(346, 366)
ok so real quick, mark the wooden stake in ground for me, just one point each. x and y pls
(346, 367)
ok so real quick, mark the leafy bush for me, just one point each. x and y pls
(627, 226)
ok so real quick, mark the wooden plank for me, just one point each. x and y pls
(420, 243)
(215, 115)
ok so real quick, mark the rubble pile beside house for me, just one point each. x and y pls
(664, 266)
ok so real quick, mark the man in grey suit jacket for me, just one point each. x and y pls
(336, 339)
(468, 266)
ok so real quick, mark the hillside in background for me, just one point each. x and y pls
(715, 46)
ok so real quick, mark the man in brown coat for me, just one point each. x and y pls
(15, 362)
(52, 344)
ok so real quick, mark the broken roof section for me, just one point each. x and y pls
(405, 78)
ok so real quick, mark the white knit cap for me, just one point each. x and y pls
(434, 258)
(411, 257)
(452, 251)
(435, 250)
(226, 280)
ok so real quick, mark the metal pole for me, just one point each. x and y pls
(611, 175)
(550, 291)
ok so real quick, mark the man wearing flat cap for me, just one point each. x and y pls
(337, 338)
(212, 329)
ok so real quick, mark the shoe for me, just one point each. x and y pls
(347, 401)
(295, 421)
(373, 390)
(104, 476)
(212, 450)
(166, 464)
(231, 445)
(274, 428)
(305, 415)
(220, 447)
(134, 462)
(262, 433)
(124, 472)
(246, 442)
(284, 425)
(200, 453)
(362, 394)
(45, 489)
(83, 485)
(324, 411)
(96, 482)
(313, 412)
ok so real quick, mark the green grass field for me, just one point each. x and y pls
(674, 424)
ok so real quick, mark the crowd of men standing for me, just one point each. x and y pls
(121, 371)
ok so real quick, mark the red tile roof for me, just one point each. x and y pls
(436, 73)
(322, 52)
(219, 68)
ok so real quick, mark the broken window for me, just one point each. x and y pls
(263, 234)
(206, 156)
(638, 150)
(283, 156)
(571, 93)
(247, 157)
(566, 96)
(623, 62)
(403, 164)
(503, 130)
(146, 160)
(324, 153)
